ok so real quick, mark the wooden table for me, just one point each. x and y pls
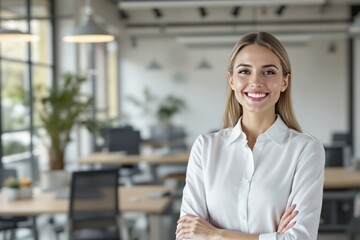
(116, 158)
(341, 178)
(154, 160)
(341, 186)
(131, 199)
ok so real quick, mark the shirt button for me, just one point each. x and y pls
(246, 181)
(243, 217)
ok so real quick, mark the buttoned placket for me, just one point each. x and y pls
(251, 157)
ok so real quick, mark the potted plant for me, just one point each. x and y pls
(25, 190)
(11, 188)
(169, 107)
(64, 107)
(164, 110)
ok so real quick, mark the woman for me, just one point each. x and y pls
(241, 180)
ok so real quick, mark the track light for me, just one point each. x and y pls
(280, 10)
(235, 11)
(203, 12)
(157, 12)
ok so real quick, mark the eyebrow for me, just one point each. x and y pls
(264, 66)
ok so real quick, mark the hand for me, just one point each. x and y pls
(195, 228)
(286, 219)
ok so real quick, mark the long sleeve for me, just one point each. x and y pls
(306, 193)
(194, 197)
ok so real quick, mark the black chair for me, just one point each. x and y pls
(13, 222)
(354, 228)
(8, 226)
(94, 205)
(126, 140)
(334, 156)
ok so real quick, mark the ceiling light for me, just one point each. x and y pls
(202, 12)
(154, 65)
(204, 65)
(7, 35)
(280, 10)
(355, 27)
(89, 32)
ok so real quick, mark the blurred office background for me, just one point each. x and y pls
(177, 50)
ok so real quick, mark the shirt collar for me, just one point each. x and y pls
(237, 132)
(275, 133)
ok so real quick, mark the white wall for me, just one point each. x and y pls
(319, 83)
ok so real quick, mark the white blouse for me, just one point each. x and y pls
(238, 189)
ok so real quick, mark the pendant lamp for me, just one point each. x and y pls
(355, 27)
(12, 35)
(89, 32)
(204, 65)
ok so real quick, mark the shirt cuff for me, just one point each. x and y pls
(268, 236)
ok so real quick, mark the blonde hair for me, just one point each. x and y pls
(283, 107)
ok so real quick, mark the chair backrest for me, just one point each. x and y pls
(94, 195)
(334, 156)
(6, 173)
(122, 139)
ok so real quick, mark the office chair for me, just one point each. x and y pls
(5, 226)
(94, 205)
(12, 221)
(354, 228)
(334, 156)
(127, 140)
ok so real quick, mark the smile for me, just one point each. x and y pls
(256, 95)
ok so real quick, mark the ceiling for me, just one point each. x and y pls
(203, 18)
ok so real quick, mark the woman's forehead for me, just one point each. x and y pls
(256, 55)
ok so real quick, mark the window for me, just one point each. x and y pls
(26, 71)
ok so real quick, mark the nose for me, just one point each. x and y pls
(256, 81)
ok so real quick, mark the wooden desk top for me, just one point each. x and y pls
(340, 178)
(133, 199)
(116, 158)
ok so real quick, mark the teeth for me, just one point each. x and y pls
(256, 95)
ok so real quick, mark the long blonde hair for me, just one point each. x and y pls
(283, 107)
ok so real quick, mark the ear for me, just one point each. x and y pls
(286, 82)
(230, 80)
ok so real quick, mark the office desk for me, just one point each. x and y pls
(341, 178)
(154, 160)
(133, 199)
(116, 158)
(340, 188)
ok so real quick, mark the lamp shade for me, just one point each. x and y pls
(204, 65)
(89, 32)
(355, 27)
(154, 65)
(11, 35)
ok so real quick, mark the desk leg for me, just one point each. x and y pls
(153, 170)
(154, 227)
(34, 228)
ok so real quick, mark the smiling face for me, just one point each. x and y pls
(257, 79)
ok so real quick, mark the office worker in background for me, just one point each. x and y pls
(260, 177)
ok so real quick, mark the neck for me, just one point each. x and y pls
(254, 124)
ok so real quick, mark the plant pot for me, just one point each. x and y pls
(53, 180)
(11, 193)
(25, 193)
